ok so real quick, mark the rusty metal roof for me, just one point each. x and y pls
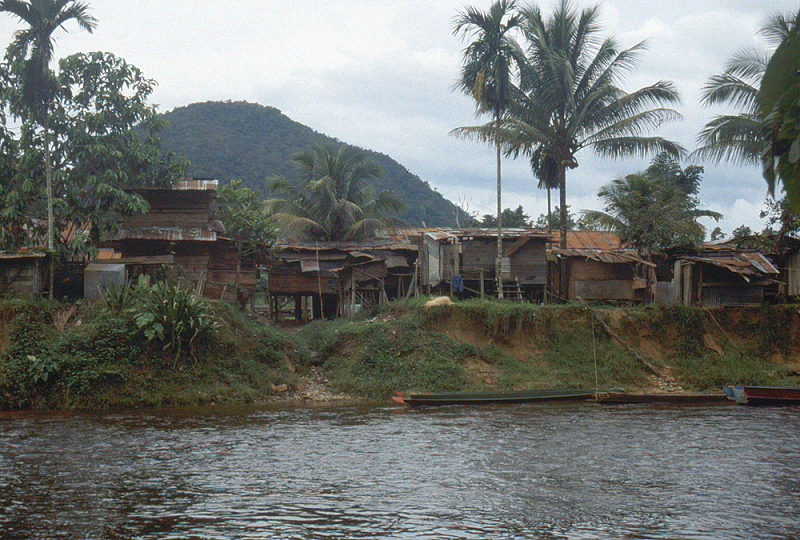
(610, 256)
(747, 264)
(588, 240)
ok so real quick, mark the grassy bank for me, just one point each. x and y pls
(129, 352)
(482, 345)
(58, 356)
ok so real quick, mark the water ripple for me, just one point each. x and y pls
(563, 471)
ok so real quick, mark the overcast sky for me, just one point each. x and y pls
(380, 75)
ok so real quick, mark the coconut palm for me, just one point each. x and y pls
(738, 137)
(490, 61)
(32, 48)
(572, 100)
(335, 202)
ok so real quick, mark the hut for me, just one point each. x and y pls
(178, 231)
(328, 279)
(454, 258)
(718, 275)
(21, 273)
(595, 268)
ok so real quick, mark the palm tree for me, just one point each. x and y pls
(33, 48)
(489, 63)
(546, 170)
(335, 202)
(653, 210)
(572, 100)
(738, 138)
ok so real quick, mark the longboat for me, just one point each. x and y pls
(763, 395)
(414, 399)
(611, 397)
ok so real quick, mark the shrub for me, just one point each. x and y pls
(166, 314)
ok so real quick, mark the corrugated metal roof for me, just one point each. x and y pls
(610, 256)
(745, 264)
(172, 234)
(588, 240)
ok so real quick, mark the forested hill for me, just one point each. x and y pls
(251, 142)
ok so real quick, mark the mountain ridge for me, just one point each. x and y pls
(239, 140)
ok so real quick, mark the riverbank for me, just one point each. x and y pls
(88, 356)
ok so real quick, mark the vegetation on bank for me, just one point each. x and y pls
(157, 345)
(146, 346)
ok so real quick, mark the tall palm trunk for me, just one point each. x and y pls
(499, 261)
(48, 173)
(562, 200)
(549, 212)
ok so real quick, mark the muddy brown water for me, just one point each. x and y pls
(552, 471)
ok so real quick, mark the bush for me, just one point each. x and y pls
(167, 315)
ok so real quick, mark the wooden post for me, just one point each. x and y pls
(352, 295)
(482, 291)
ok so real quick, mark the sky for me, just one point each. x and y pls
(380, 75)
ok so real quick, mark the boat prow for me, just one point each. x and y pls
(400, 397)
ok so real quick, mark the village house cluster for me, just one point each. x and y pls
(309, 279)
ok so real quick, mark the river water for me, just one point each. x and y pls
(550, 471)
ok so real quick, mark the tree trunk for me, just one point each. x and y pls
(48, 174)
(498, 262)
(562, 200)
(549, 213)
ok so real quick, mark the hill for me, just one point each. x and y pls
(251, 142)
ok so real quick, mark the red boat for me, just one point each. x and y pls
(764, 395)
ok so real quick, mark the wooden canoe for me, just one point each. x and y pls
(611, 397)
(477, 398)
(763, 395)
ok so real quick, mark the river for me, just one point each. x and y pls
(549, 471)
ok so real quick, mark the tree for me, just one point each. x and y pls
(572, 99)
(242, 213)
(739, 137)
(336, 201)
(510, 218)
(552, 220)
(487, 73)
(779, 107)
(32, 51)
(654, 210)
(105, 141)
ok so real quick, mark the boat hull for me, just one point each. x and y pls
(670, 397)
(479, 398)
(763, 395)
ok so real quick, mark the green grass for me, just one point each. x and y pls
(100, 358)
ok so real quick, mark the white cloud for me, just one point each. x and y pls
(380, 74)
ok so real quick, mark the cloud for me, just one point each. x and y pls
(380, 75)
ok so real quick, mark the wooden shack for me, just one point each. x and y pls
(718, 275)
(595, 268)
(470, 254)
(178, 231)
(21, 273)
(330, 279)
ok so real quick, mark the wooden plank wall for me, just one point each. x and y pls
(529, 263)
(20, 277)
(173, 209)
